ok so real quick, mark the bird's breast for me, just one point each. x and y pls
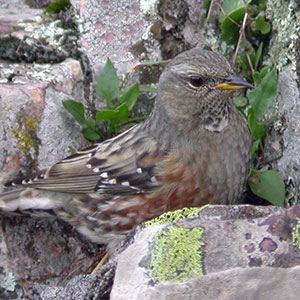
(214, 171)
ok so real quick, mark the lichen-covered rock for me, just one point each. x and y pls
(38, 253)
(111, 32)
(284, 139)
(229, 247)
(36, 131)
(28, 37)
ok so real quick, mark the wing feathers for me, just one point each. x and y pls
(122, 165)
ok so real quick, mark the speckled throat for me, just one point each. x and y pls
(217, 117)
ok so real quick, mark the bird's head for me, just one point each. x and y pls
(197, 86)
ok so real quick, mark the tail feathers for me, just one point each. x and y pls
(25, 198)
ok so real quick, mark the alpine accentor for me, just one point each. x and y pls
(193, 149)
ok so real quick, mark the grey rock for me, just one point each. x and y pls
(26, 36)
(84, 287)
(36, 130)
(110, 32)
(40, 253)
(283, 145)
(282, 148)
(243, 252)
(256, 283)
(33, 93)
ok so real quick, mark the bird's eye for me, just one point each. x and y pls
(195, 81)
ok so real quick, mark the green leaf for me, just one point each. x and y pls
(243, 65)
(57, 6)
(258, 55)
(259, 24)
(119, 114)
(230, 31)
(76, 109)
(258, 77)
(264, 71)
(91, 134)
(130, 96)
(229, 7)
(268, 185)
(264, 95)
(243, 60)
(91, 123)
(257, 128)
(123, 112)
(235, 10)
(108, 83)
(255, 146)
(106, 115)
(155, 63)
(262, 5)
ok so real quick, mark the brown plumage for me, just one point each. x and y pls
(194, 149)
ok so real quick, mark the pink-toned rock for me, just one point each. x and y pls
(36, 131)
(246, 252)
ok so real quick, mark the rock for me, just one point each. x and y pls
(40, 253)
(111, 32)
(283, 143)
(256, 283)
(26, 36)
(83, 287)
(38, 131)
(14, 13)
(284, 139)
(237, 252)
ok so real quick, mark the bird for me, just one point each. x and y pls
(193, 149)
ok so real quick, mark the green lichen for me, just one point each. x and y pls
(7, 109)
(177, 255)
(31, 125)
(296, 236)
(24, 140)
(72, 150)
(175, 216)
(24, 136)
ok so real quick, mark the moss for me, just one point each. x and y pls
(177, 255)
(175, 216)
(296, 236)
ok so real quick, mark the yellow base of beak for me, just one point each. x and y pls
(225, 86)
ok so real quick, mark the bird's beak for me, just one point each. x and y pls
(233, 82)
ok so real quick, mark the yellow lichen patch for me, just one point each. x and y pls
(176, 255)
(31, 125)
(24, 137)
(72, 150)
(24, 141)
(296, 236)
(7, 109)
(175, 216)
